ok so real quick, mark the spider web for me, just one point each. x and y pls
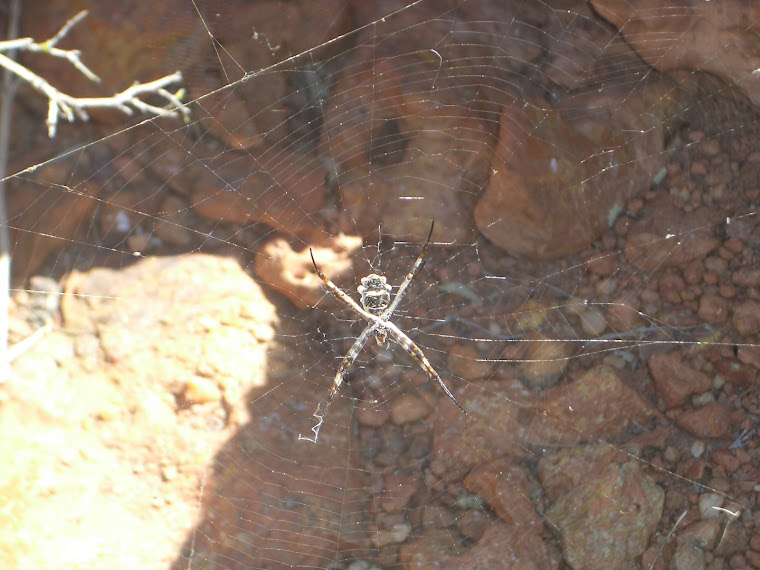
(590, 294)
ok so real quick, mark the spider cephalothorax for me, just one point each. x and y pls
(377, 308)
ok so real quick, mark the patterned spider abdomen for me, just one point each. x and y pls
(375, 294)
(375, 298)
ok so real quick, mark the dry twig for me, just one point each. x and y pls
(75, 107)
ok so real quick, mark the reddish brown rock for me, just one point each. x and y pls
(734, 245)
(283, 199)
(549, 193)
(687, 556)
(714, 309)
(754, 542)
(693, 272)
(650, 252)
(250, 116)
(544, 360)
(57, 218)
(593, 50)
(746, 277)
(749, 355)
(506, 489)
(121, 215)
(695, 471)
(465, 361)
(703, 533)
(399, 130)
(523, 549)
(711, 421)
(740, 373)
(670, 286)
(560, 473)
(673, 380)
(696, 36)
(726, 459)
(599, 403)
(622, 315)
(172, 227)
(746, 318)
(604, 521)
(491, 421)
(398, 490)
(292, 272)
(408, 195)
(602, 264)
(473, 524)
(408, 408)
(371, 414)
(716, 264)
(231, 350)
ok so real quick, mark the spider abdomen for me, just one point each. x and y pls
(375, 293)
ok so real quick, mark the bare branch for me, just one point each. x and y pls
(73, 21)
(76, 107)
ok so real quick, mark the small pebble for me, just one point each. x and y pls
(408, 408)
(698, 448)
(396, 534)
(707, 504)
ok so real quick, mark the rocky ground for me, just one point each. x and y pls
(170, 351)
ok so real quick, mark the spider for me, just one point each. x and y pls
(377, 308)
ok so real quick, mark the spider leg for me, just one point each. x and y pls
(409, 276)
(335, 290)
(345, 365)
(415, 352)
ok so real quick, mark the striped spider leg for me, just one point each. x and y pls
(377, 308)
